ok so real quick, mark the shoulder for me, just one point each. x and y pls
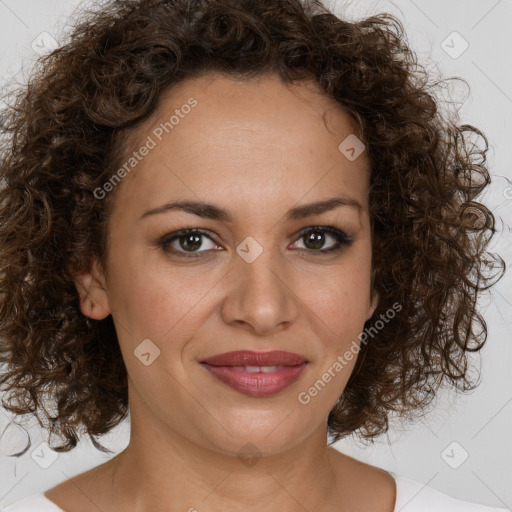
(34, 503)
(413, 496)
(363, 486)
(90, 483)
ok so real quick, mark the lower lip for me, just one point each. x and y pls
(259, 383)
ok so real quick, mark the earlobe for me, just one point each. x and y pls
(92, 292)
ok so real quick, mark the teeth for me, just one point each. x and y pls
(251, 369)
(255, 369)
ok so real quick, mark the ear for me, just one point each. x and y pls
(374, 296)
(373, 305)
(92, 290)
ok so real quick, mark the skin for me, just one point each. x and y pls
(256, 148)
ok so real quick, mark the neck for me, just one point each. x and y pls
(168, 471)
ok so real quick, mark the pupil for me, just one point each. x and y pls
(316, 239)
(195, 244)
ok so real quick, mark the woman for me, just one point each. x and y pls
(248, 226)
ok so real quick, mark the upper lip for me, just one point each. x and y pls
(250, 358)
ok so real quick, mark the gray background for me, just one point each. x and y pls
(463, 447)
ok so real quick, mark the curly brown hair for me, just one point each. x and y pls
(65, 134)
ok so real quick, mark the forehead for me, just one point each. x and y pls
(258, 135)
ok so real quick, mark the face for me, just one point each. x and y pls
(265, 274)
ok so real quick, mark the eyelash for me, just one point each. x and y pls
(342, 240)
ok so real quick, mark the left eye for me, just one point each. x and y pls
(190, 241)
(315, 236)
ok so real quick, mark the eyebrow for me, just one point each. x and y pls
(211, 211)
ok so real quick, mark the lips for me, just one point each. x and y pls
(250, 358)
(256, 374)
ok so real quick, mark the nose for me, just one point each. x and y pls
(261, 297)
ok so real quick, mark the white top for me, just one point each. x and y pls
(411, 496)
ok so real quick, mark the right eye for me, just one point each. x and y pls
(186, 241)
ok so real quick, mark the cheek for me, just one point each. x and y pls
(336, 314)
(340, 297)
(337, 324)
(149, 299)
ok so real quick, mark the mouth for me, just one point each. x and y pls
(256, 374)
(251, 358)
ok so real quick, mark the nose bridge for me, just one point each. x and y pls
(260, 298)
(258, 267)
